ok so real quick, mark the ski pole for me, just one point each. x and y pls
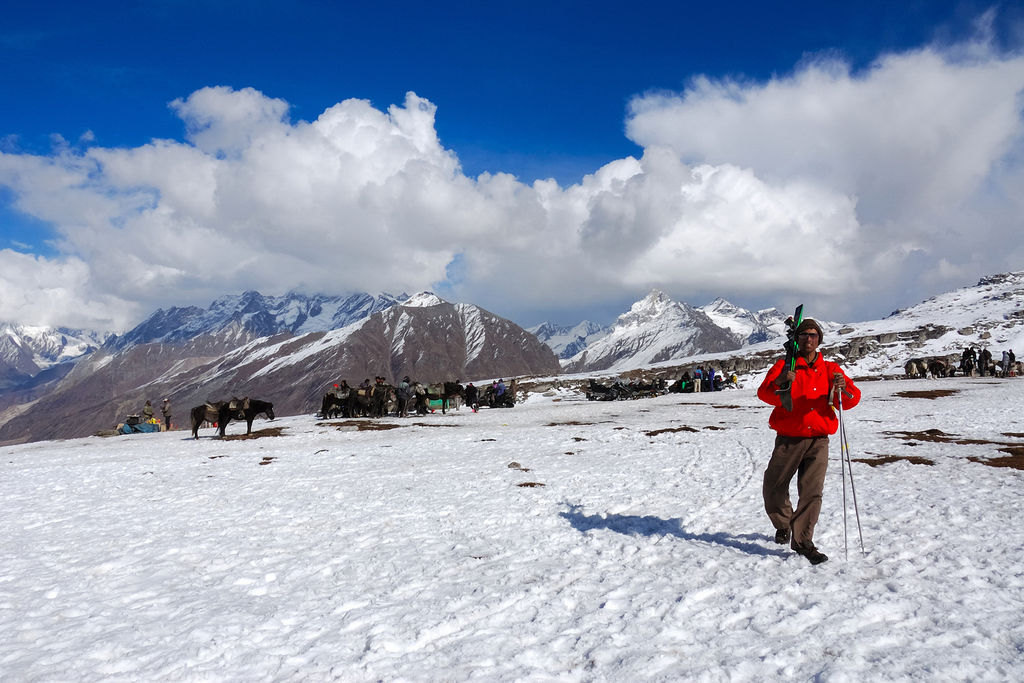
(844, 450)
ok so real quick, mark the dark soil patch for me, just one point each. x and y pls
(578, 438)
(714, 428)
(1014, 435)
(570, 423)
(729, 407)
(530, 484)
(361, 425)
(258, 434)
(267, 460)
(671, 430)
(886, 459)
(928, 393)
(516, 466)
(424, 424)
(933, 435)
(1014, 461)
(938, 436)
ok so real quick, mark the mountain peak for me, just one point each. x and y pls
(423, 300)
(652, 306)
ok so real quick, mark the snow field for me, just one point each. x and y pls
(332, 553)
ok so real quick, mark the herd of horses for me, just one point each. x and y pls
(921, 368)
(942, 367)
(380, 400)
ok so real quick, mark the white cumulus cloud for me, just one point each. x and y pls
(846, 190)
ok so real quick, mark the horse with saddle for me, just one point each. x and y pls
(222, 412)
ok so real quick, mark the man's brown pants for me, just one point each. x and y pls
(807, 458)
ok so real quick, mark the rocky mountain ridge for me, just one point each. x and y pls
(427, 338)
(238, 319)
(432, 339)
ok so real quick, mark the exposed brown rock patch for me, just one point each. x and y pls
(928, 393)
(886, 459)
(258, 434)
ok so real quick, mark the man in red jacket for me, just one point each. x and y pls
(801, 441)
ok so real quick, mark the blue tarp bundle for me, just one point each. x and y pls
(143, 427)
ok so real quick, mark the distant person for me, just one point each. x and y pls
(472, 397)
(1013, 364)
(984, 361)
(801, 441)
(698, 376)
(147, 412)
(1006, 364)
(402, 395)
(166, 410)
(968, 359)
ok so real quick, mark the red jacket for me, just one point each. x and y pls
(811, 415)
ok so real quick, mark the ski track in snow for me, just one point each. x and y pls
(412, 554)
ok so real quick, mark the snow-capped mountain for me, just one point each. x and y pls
(987, 315)
(26, 350)
(655, 329)
(568, 341)
(241, 318)
(749, 327)
(428, 339)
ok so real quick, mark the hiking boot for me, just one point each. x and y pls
(782, 536)
(813, 555)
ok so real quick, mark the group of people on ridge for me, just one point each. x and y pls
(706, 379)
(982, 361)
(165, 409)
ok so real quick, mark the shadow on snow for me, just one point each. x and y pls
(648, 525)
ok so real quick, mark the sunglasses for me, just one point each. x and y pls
(808, 334)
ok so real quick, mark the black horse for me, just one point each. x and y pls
(368, 402)
(332, 406)
(243, 409)
(445, 393)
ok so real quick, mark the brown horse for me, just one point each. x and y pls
(208, 412)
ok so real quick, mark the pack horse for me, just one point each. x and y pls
(223, 412)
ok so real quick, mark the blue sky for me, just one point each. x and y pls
(535, 90)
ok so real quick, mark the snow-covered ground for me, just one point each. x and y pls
(330, 553)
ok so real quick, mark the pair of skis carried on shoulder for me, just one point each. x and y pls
(792, 322)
